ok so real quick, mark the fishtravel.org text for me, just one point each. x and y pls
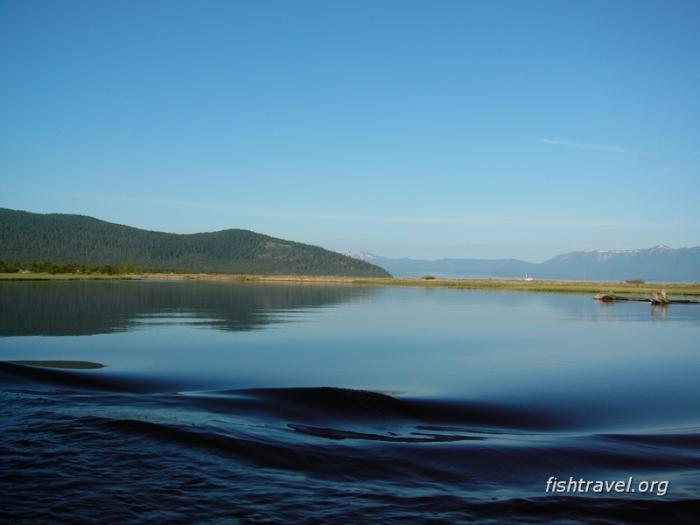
(620, 486)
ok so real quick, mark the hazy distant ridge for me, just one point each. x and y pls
(59, 238)
(659, 263)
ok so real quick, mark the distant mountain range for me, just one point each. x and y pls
(30, 237)
(659, 263)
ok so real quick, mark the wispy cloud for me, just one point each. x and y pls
(588, 146)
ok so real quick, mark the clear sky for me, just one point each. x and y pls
(420, 129)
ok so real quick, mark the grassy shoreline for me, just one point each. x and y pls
(542, 285)
(66, 277)
(462, 284)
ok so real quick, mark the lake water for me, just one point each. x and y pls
(274, 403)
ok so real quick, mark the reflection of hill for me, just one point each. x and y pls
(87, 308)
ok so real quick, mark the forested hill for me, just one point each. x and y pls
(59, 238)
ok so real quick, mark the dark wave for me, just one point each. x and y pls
(103, 381)
(90, 446)
(328, 403)
(322, 404)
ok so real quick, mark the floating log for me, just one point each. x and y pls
(656, 298)
(659, 297)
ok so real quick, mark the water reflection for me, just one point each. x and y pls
(661, 310)
(87, 308)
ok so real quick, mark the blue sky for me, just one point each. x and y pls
(419, 129)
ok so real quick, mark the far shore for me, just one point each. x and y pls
(462, 284)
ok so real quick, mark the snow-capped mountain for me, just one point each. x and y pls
(658, 263)
(363, 256)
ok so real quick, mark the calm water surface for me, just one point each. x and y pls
(274, 403)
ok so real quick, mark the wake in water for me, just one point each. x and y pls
(89, 447)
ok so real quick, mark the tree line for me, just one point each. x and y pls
(54, 268)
